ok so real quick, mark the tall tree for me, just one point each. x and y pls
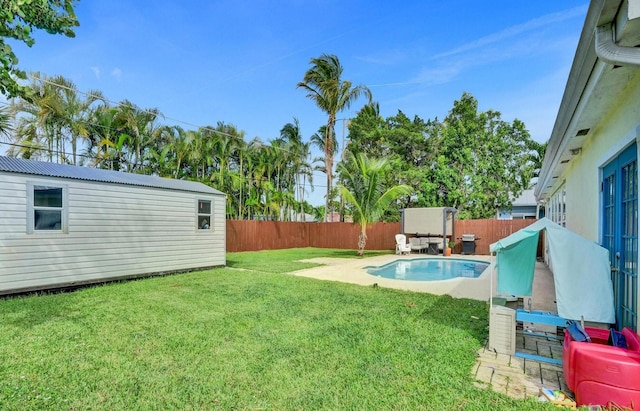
(6, 123)
(482, 160)
(319, 140)
(472, 160)
(39, 127)
(74, 112)
(227, 142)
(362, 186)
(410, 146)
(18, 19)
(332, 95)
(141, 126)
(102, 136)
(535, 157)
(299, 154)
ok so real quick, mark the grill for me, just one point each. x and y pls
(469, 243)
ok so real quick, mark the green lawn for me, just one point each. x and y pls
(243, 339)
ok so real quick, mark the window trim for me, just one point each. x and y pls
(198, 215)
(556, 209)
(31, 208)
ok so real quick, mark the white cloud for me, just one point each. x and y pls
(387, 58)
(512, 31)
(509, 44)
(500, 47)
(117, 73)
(96, 71)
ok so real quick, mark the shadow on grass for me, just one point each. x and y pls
(287, 260)
(465, 314)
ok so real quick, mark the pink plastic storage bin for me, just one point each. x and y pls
(598, 373)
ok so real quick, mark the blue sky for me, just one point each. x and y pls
(200, 62)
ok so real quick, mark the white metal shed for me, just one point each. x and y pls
(64, 225)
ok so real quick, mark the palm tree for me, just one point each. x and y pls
(535, 158)
(102, 137)
(319, 140)
(159, 155)
(257, 172)
(299, 152)
(74, 112)
(141, 126)
(38, 130)
(363, 190)
(55, 117)
(332, 95)
(226, 144)
(6, 122)
(206, 156)
(181, 147)
(230, 154)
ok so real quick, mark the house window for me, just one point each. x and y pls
(204, 214)
(47, 208)
(557, 207)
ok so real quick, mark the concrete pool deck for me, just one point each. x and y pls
(352, 270)
(507, 374)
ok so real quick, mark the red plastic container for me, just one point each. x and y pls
(598, 373)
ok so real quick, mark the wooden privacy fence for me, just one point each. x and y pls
(252, 235)
(487, 231)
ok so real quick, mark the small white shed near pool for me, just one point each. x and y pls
(64, 225)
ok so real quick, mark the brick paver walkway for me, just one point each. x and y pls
(520, 377)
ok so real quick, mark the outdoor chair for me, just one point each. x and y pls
(432, 245)
(401, 244)
(417, 245)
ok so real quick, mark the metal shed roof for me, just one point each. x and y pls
(41, 168)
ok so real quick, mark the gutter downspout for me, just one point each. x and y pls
(608, 51)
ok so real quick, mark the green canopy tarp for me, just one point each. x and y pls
(581, 271)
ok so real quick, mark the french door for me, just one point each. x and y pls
(620, 233)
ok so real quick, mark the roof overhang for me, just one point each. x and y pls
(592, 87)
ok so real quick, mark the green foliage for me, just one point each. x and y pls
(482, 163)
(472, 160)
(535, 157)
(18, 20)
(365, 191)
(54, 118)
(325, 87)
(407, 144)
(6, 123)
(266, 181)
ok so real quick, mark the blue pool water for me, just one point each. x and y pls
(429, 269)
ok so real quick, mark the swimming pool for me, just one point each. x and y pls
(429, 269)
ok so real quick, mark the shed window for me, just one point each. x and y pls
(47, 208)
(204, 214)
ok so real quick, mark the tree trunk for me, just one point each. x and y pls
(362, 240)
(328, 161)
(301, 197)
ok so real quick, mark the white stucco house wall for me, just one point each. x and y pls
(589, 177)
(64, 225)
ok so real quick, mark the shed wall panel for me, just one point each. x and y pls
(113, 231)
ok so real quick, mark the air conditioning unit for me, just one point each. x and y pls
(502, 329)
